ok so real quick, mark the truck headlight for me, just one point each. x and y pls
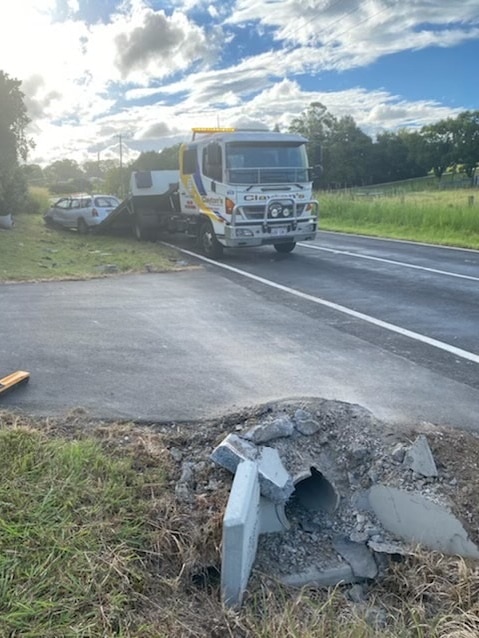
(244, 232)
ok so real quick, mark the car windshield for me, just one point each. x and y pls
(273, 162)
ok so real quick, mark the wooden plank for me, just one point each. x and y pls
(13, 380)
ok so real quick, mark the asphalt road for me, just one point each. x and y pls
(392, 326)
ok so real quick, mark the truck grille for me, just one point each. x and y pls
(257, 212)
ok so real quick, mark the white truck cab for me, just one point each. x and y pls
(233, 188)
(250, 188)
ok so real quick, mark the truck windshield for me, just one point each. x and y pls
(266, 163)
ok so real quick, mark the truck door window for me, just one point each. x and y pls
(212, 162)
(189, 161)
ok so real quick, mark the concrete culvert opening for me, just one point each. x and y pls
(315, 493)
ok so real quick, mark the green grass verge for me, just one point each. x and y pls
(72, 526)
(446, 217)
(33, 251)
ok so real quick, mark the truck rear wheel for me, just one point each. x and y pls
(286, 247)
(141, 232)
(207, 241)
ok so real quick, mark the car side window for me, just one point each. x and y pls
(63, 203)
(75, 203)
(85, 203)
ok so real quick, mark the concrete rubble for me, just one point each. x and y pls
(336, 494)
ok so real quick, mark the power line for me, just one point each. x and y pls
(340, 19)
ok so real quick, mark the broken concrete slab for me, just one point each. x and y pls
(358, 556)
(274, 428)
(340, 574)
(275, 482)
(272, 517)
(418, 520)
(241, 527)
(305, 423)
(333, 470)
(419, 458)
(232, 450)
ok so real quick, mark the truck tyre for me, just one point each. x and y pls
(139, 231)
(207, 241)
(286, 247)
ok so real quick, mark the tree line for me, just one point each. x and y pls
(348, 155)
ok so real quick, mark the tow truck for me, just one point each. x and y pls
(234, 188)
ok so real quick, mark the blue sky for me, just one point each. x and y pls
(149, 70)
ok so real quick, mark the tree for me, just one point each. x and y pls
(465, 137)
(436, 152)
(315, 124)
(347, 155)
(14, 144)
(63, 171)
(117, 181)
(34, 174)
(338, 144)
(396, 157)
(168, 158)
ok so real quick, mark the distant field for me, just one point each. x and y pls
(448, 217)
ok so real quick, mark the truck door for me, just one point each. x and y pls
(190, 196)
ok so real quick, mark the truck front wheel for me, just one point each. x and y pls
(208, 243)
(286, 247)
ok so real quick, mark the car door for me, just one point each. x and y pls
(58, 211)
(72, 213)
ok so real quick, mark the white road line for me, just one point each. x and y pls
(399, 241)
(458, 352)
(388, 261)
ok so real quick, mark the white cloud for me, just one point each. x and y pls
(151, 75)
(161, 45)
(356, 32)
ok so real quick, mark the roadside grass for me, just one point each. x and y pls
(95, 541)
(444, 217)
(72, 525)
(39, 198)
(33, 251)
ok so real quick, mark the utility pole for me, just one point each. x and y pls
(121, 166)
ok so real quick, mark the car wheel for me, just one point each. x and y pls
(207, 241)
(82, 226)
(286, 247)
